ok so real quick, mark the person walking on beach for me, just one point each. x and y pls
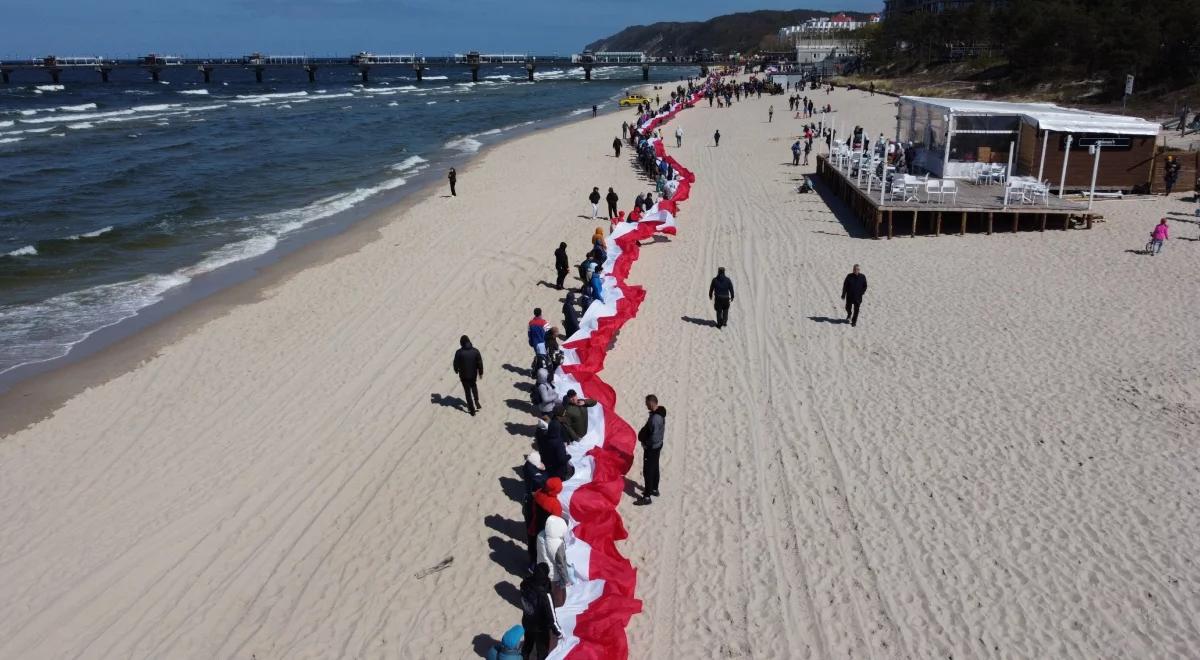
(796, 153)
(616, 147)
(593, 111)
(678, 136)
(651, 438)
(453, 177)
(1160, 234)
(807, 150)
(770, 114)
(611, 198)
(562, 265)
(720, 291)
(717, 138)
(853, 289)
(624, 130)
(468, 364)
(594, 198)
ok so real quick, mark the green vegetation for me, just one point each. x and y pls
(1021, 43)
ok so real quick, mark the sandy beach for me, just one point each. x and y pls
(999, 461)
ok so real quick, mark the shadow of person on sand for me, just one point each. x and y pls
(513, 488)
(631, 487)
(708, 323)
(509, 592)
(483, 643)
(510, 556)
(513, 529)
(517, 370)
(520, 429)
(520, 405)
(826, 319)
(447, 401)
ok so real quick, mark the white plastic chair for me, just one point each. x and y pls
(950, 187)
(932, 187)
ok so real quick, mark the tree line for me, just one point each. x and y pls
(1158, 41)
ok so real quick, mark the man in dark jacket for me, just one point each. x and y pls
(612, 200)
(594, 198)
(561, 264)
(852, 292)
(651, 437)
(720, 291)
(550, 439)
(537, 614)
(468, 364)
(616, 147)
(453, 177)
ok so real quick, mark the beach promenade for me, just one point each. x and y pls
(999, 461)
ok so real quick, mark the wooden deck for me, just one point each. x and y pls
(976, 208)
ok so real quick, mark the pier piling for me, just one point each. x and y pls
(587, 72)
(419, 69)
(155, 73)
(475, 73)
(529, 67)
(258, 73)
(364, 71)
(104, 71)
(645, 72)
(54, 74)
(206, 71)
(6, 74)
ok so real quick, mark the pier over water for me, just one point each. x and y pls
(154, 64)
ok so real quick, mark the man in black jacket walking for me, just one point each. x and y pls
(453, 178)
(852, 292)
(594, 198)
(612, 200)
(616, 147)
(651, 437)
(468, 364)
(561, 264)
(720, 291)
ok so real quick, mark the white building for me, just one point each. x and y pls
(824, 25)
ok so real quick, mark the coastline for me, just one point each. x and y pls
(33, 392)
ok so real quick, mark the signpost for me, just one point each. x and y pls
(1095, 150)
(1128, 90)
(1062, 182)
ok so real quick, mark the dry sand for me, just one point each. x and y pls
(998, 462)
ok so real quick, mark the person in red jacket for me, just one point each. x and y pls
(545, 504)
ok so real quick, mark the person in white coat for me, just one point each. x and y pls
(552, 551)
(679, 136)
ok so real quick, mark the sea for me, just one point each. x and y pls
(118, 198)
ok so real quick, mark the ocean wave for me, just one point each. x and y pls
(196, 92)
(10, 140)
(28, 113)
(494, 131)
(157, 107)
(91, 234)
(435, 78)
(78, 117)
(27, 251)
(580, 111)
(5, 124)
(255, 246)
(408, 164)
(467, 145)
(431, 103)
(50, 88)
(82, 126)
(393, 104)
(261, 98)
(141, 92)
(83, 107)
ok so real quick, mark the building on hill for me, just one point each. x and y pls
(823, 26)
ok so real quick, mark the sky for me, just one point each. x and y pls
(201, 28)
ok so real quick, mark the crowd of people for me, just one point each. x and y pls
(562, 420)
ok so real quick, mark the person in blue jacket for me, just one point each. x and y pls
(509, 647)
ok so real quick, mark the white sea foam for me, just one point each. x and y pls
(81, 126)
(5, 124)
(409, 163)
(580, 111)
(29, 113)
(157, 107)
(494, 131)
(393, 104)
(10, 140)
(90, 234)
(435, 78)
(260, 98)
(50, 88)
(27, 251)
(196, 92)
(431, 103)
(77, 108)
(467, 145)
(79, 116)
